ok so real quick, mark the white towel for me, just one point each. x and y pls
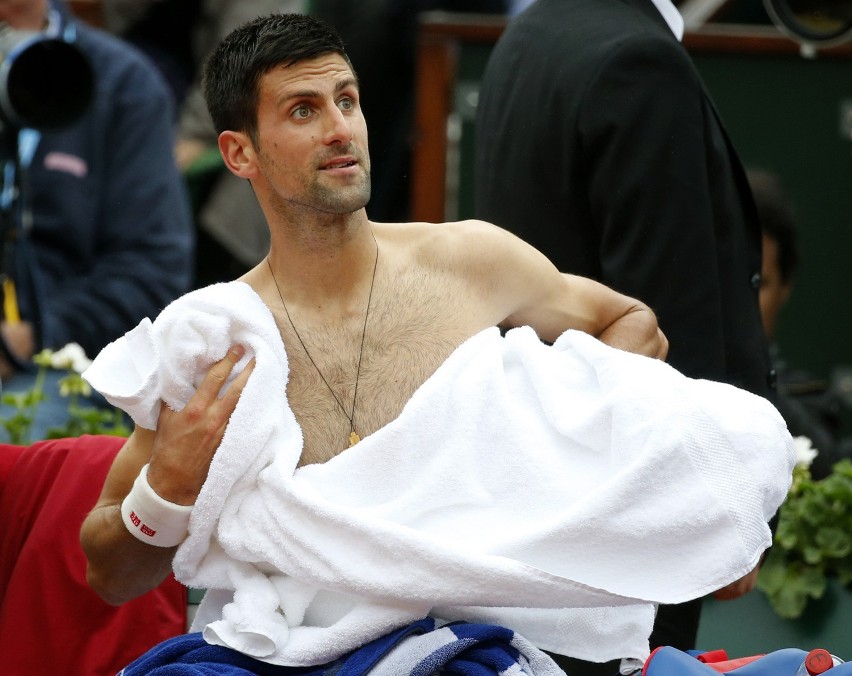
(559, 491)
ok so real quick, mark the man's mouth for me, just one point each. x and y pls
(340, 165)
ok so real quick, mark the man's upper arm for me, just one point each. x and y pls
(538, 295)
(613, 318)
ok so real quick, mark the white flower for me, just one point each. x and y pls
(805, 452)
(71, 357)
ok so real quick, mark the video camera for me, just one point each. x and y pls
(45, 82)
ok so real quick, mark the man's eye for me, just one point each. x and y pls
(302, 112)
(346, 104)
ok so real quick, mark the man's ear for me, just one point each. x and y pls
(238, 153)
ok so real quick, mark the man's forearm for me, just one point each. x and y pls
(120, 567)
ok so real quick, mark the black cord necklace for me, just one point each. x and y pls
(354, 438)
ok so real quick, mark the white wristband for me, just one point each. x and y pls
(152, 519)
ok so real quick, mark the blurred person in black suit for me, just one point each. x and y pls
(597, 142)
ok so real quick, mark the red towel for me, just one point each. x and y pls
(51, 622)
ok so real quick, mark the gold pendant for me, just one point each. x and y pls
(353, 438)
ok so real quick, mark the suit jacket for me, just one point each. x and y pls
(597, 143)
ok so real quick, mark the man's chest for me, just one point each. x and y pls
(351, 378)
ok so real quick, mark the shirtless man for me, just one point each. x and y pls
(367, 311)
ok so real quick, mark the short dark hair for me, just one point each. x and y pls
(232, 72)
(777, 218)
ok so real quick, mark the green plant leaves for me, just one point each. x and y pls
(833, 542)
(813, 540)
(81, 419)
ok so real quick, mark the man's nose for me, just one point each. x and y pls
(339, 128)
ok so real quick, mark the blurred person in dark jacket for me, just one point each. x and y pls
(105, 236)
(809, 406)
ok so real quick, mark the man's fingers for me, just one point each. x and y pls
(235, 389)
(218, 374)
(206, 409)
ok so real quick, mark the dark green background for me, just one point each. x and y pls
(783, 113)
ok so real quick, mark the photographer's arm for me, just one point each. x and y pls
(18, 345)
(120, 566)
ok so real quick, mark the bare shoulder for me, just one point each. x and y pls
(467, 245)
(489, 273)
(421, 231)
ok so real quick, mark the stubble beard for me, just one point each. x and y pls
(320, 196)
(339, 201)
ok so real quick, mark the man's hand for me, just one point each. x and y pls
(187, 439)
(178, 455)
(637, 331)
(736, 589)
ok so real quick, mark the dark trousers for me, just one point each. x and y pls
(676, 626)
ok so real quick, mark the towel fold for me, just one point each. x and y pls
(546, 489)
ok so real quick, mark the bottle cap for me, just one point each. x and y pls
(818, 661)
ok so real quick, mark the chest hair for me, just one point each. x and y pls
(409, 334)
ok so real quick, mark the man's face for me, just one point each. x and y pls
(774, 292)
(24, 14)
(312, 137)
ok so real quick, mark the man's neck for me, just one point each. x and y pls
(325, 264)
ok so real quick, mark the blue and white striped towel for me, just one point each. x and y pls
(420, 649)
